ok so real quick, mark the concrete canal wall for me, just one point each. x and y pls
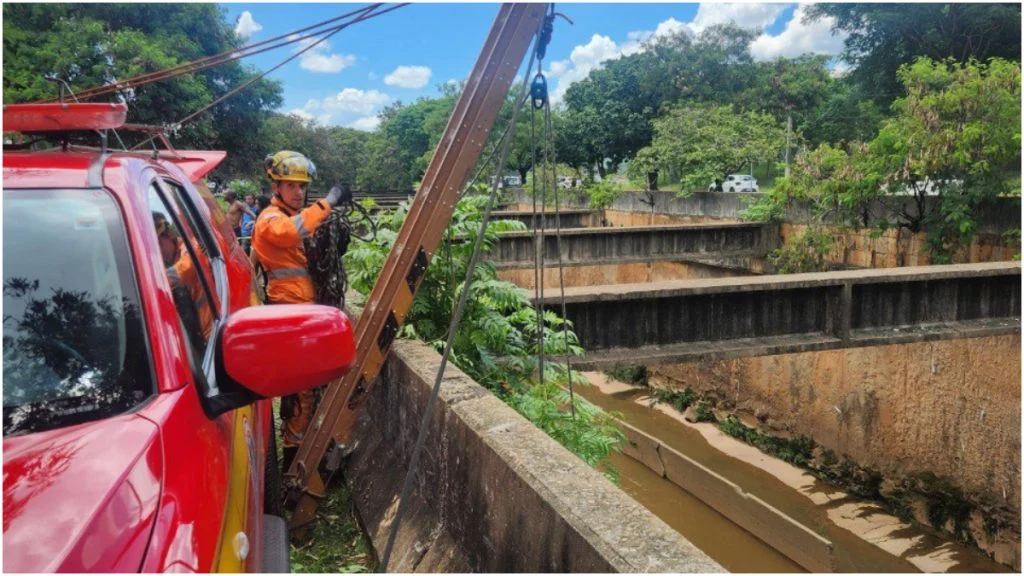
(493, 492)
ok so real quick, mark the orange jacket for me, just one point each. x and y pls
(277, 240)
(184, 274)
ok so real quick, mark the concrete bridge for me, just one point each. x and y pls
(595, 246)
(675, 321)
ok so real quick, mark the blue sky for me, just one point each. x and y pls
(404, 54)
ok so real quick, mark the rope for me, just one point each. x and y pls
(324, 251)
(550, 133)
(238, 89)
(209, 61)
(403, 499)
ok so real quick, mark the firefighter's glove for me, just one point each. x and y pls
(338, 194)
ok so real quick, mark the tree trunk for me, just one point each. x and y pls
(789, 130)
(523, 172)
(601, 169)
(652, 180)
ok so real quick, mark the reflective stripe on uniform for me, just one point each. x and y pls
(300, 226)
(287, 273)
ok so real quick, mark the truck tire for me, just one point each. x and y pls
(272, 485)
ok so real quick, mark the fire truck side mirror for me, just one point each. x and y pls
(283, 349)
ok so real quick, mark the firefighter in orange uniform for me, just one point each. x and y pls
(189, 296)
(277, 242)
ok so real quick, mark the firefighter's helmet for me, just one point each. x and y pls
(290, 166)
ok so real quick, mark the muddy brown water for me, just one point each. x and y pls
(728, 544)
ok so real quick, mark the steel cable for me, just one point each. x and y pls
(403, 498)
(214, 60)
(238, 89)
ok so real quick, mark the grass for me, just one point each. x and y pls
(335, 543)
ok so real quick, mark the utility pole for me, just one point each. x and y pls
(789, 130)
(392, 296)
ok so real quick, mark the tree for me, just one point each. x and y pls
(610, 112)
(952, 147)
(785, 86)
(704, 143)
(88, 45)
(956, 132)
(846, 114)
(882, 37)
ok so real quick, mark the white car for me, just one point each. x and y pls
(737, 183)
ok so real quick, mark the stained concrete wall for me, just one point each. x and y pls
(950, 407)
(618, 245)
(630, 272)
(1001, 215)
(859, 248)
(494, 493)
(894, 247)
(570, 218)
(835, 304)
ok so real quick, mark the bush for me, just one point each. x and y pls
(808, 252)
(603, 194)
(496, 341)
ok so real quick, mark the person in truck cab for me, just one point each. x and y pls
(277, 242)
(188, 293)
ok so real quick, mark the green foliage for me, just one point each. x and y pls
(798, 451)
(882, 37)
(89, 45)
(704, 144)
(945, 502)
(496, 341)
(636, 375)
(678, 399)
(807, 252)
(959, 127)
(340, 154)
(608, 115)
(603, 194)
(955, 135)
(335, 543)
(241, 187)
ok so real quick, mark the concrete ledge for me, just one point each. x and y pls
(636, 242)
(833, 304)
(788, 344)
(494, 493)
(786, 281)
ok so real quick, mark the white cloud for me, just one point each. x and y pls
(355, 100)
(246, 26)
(300, 113)
(408, 77)
(315, 61)
(350, 107)
(367, 123)
(743, 15)
(799, 38)
(319, 59)
(581, 61)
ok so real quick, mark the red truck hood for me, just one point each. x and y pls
(82, 498)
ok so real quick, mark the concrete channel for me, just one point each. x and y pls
(833, 356)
